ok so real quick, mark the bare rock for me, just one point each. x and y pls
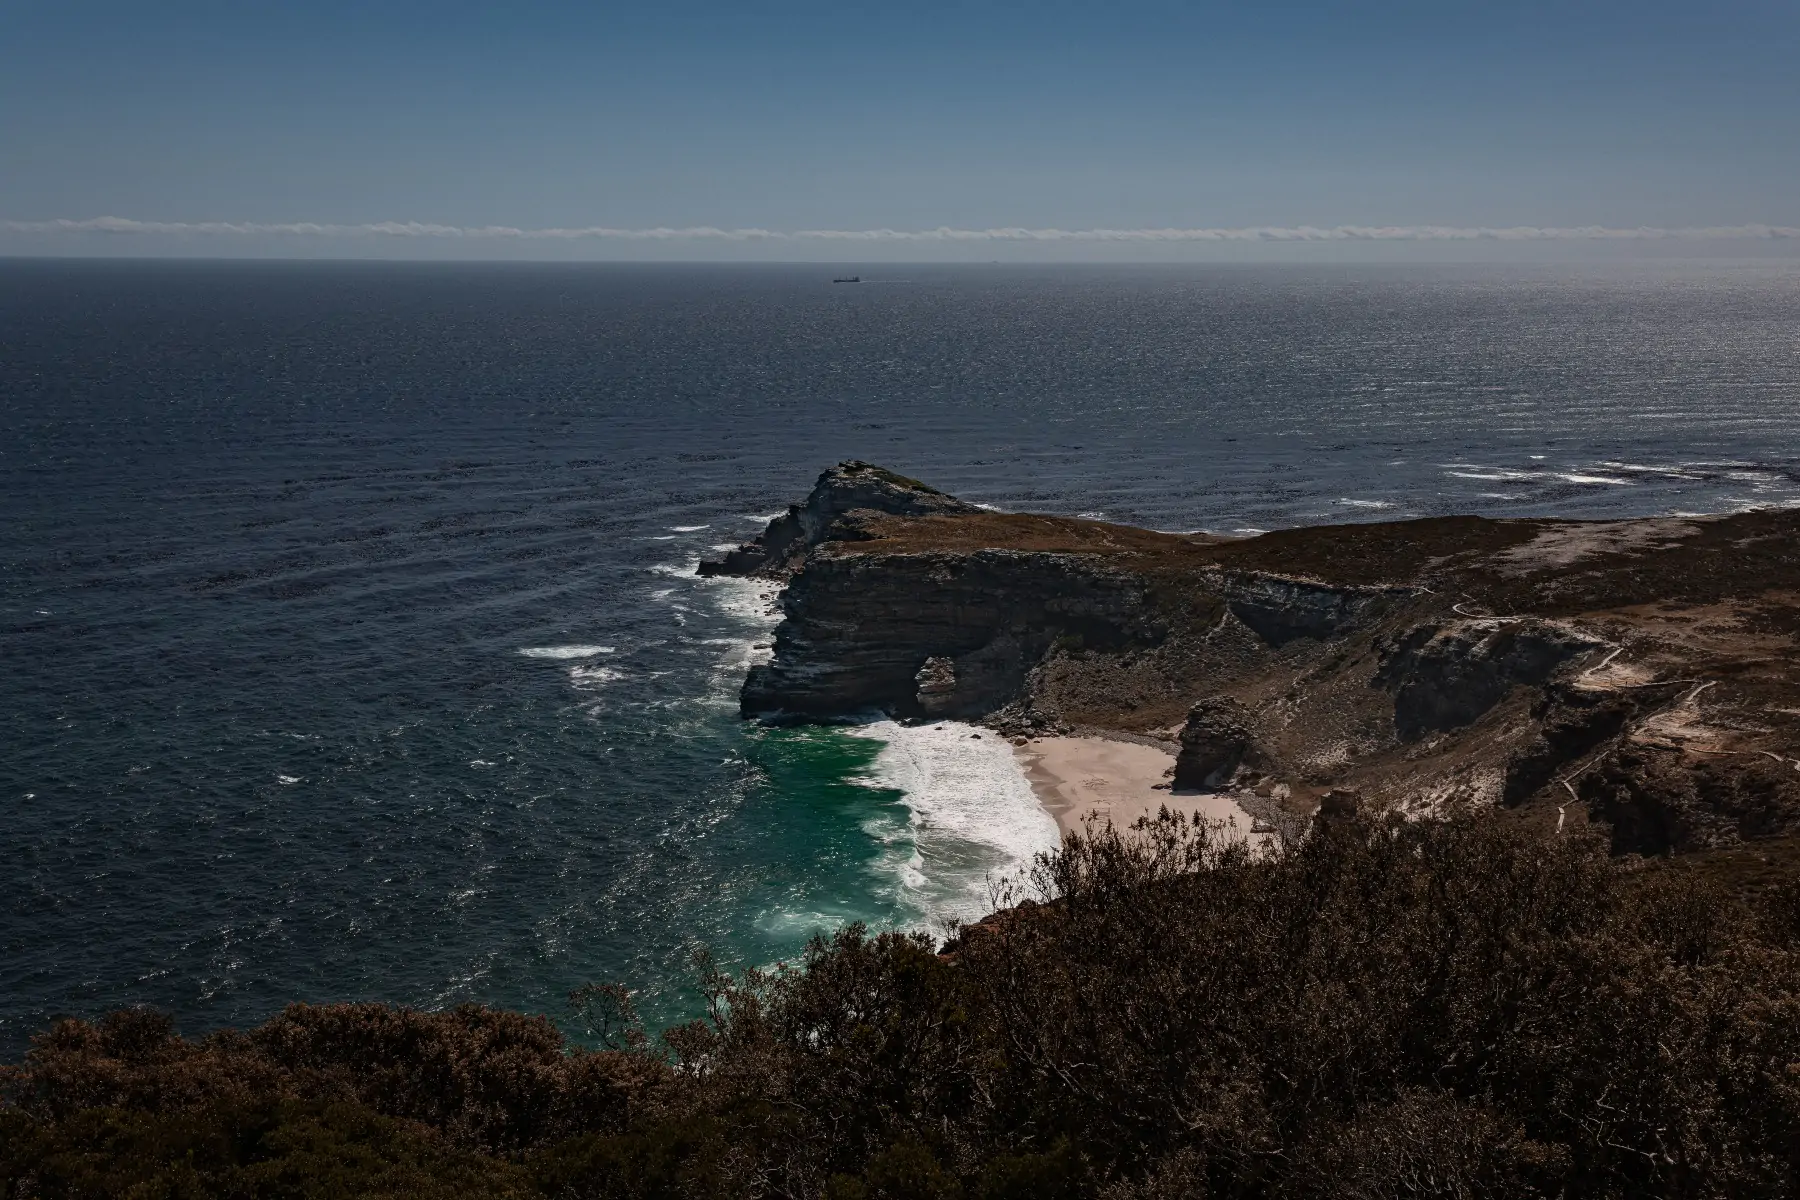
(1340, 804)
(858, 628)
(1021, 720)
(778, 550)
(1573, 722)
(1280, 610)
(1660, 800)
(1215, 742)
(937, 686)
(1445, 675)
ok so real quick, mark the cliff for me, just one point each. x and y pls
(1628, 672)
(852, 486)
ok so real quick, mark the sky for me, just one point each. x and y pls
(847, 131)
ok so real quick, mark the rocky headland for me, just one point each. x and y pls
(1468, 1007)
(1630, 673)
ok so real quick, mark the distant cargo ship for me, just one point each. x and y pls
(852, 279)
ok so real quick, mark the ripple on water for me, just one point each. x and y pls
(406, 563)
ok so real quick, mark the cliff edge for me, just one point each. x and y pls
(849, 487)
(1634, 673)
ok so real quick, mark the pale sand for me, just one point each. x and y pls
(1078, 776)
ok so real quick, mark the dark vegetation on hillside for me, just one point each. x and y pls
(1463, 1008)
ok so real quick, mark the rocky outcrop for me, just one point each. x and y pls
(1215, 741)
(1445, 675)
(936, 635)
(1659, 800)
(1348, 650)
(851, 486)
(1280, 610)
(1339, 805)
(1572, 722)
(937, 686)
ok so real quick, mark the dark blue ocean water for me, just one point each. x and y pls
(349, 646)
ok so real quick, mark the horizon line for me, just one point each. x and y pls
(409, 230)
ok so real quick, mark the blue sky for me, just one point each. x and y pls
(853, 117)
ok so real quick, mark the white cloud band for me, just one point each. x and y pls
(709, 233)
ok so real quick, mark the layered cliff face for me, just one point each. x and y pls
(1632, 673)
(937, 634)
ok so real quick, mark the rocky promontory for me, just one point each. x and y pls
(1635, 673)
(779, 550)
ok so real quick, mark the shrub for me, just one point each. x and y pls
(1458, 1008)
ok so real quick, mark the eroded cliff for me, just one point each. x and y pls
(1635, 673)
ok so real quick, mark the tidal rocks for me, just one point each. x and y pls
(1216, 741)
(778, 550)
(1445, 675)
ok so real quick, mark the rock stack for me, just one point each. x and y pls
(1215, 742)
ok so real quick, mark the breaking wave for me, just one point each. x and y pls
(974, 819)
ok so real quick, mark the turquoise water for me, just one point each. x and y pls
(832, 842)
(350, 646)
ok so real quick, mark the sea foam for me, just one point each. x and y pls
(590, 678)
(975, 821)
(744, 606)
(565, 651)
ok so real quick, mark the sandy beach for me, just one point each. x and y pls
(1076, 777)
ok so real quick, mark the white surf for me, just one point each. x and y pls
(974, 820)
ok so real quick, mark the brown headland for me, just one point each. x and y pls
(1631, 673)
(1583, 981)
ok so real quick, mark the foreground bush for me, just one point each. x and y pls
(1459, 1008)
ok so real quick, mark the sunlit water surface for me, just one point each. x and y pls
(352, 646)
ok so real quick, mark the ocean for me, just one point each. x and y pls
(351, 639)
